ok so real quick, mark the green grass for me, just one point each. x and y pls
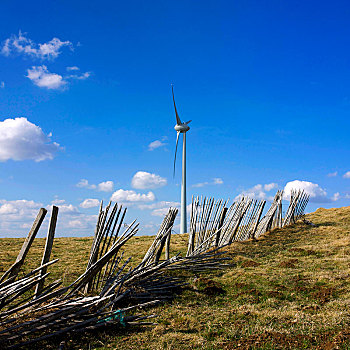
(287, 290)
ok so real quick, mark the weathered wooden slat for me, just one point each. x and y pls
(14, 269)
(48, 248)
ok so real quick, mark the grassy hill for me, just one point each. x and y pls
(288, 289)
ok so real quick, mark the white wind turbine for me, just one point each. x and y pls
(181, 128)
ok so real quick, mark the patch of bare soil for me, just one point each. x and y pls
(240, 285)
(208, 286)
(290, 263)
(250, 263)
(323, 294)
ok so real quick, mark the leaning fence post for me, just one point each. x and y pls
(14, 269)
(258, 219)
(48, 248)
(222, 218)
(167, 246)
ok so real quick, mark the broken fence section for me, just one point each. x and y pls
(110, 290)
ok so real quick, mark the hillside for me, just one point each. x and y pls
(288, 289)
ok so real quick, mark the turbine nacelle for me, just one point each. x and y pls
(181, 128)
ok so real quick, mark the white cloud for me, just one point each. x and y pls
(160, 212)
(21, 139)
(256, 191)
(8, 208)
(159, 208)
(159, 205)
(82, 76)
(41, 77)
(156, 144)
(17, 216)
(215, 181)
(130, 196)
(17, 210)
(83, 183)
(89, 203)
(332, 174)
(76, 223)
(259, 191)
(317, 193)
(347, 175)
(106, 186)
(20, 44)
(2, 85)
(143, 180)
(67, 209)
(271, 186)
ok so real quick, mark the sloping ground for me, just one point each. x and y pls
(289, 289)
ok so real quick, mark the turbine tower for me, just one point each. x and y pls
(181, 128)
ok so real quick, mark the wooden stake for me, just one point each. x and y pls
(48, 248)
(14, 269)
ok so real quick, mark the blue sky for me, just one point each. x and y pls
(265, 83)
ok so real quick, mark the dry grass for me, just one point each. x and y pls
(288, 290)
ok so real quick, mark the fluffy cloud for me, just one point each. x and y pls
(155, 144)
(89, 203)
(83, 183)
(317, 193)
(160, 212)
(143, 180)
(41, 77)
(17, 216)
(347, 175)
(159, 208)
(259, 191)
(270, 187)
(22, 207)
(106, 186)
(215, 181)
(2, 85)
(256, 191)
(129, 196)
(21, 139)
(20, 44)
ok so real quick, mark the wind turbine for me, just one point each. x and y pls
(181, 128)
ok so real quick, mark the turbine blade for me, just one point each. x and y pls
(188, 122)
(178, 121)
(177, 140)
